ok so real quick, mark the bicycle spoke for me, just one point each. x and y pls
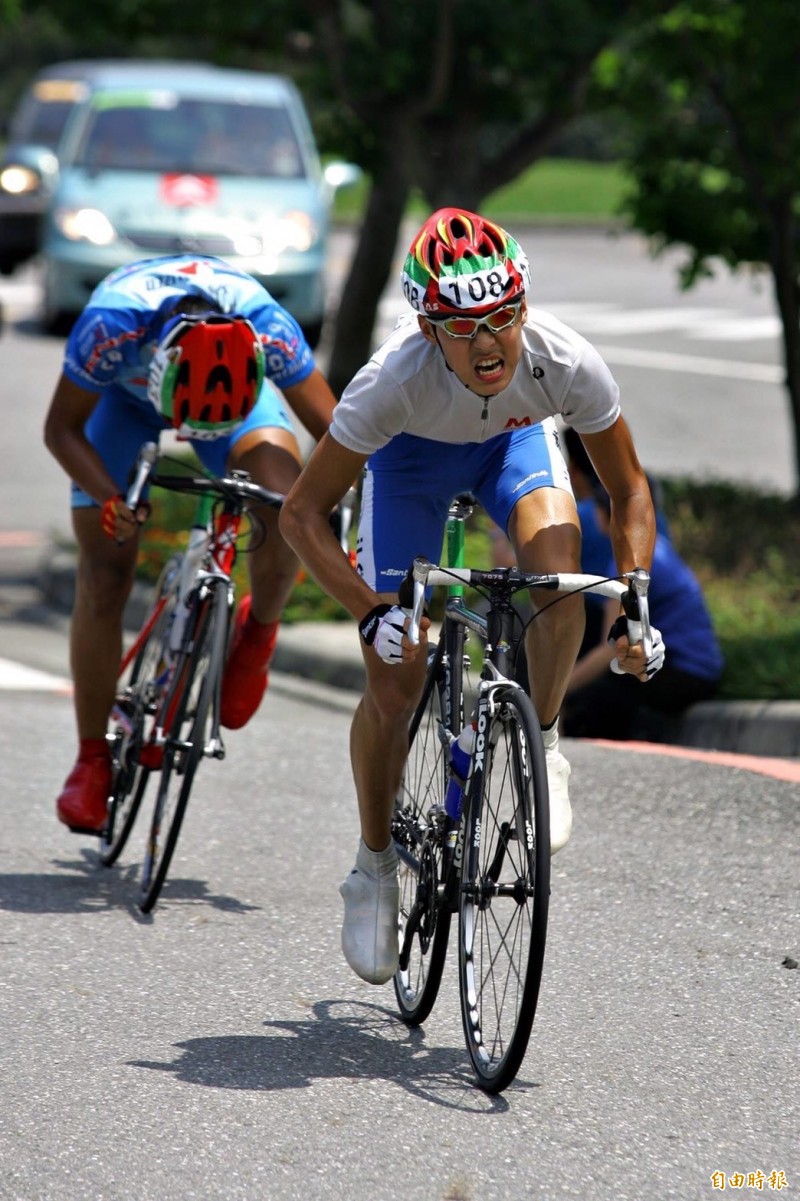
(190, 709)
(418, 830)
(132, 718)
(504, 898)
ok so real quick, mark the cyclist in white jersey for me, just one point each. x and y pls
(192, 345)
(462, 397)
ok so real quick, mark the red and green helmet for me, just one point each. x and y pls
(206, 373)
(462, 264)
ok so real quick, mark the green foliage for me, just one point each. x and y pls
(709, 89)
(744, 548)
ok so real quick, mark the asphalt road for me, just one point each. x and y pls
(222, 1049)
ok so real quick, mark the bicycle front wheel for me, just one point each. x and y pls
(418, 829)
(190, 707)
(135, 706)
(505, 889)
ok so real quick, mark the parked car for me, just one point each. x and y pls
(28, 166)
(163, 158)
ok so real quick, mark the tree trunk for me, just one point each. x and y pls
(369, 274)
(784, 273)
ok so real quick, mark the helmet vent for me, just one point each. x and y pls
(219, 377)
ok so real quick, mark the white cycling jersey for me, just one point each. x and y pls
(407, 388)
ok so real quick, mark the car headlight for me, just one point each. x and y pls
(295, 231)
(85, 225)
(18, 180)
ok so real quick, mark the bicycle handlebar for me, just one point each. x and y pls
(236, 484)
(631, 590)
(145, 461)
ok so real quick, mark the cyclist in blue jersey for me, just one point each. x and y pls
(462, 397)
(601, 704)
(195, 346)
(596, 549)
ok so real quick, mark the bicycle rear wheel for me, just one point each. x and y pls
(418, 830)
(136, 703)
(190, 709)
(505, 889)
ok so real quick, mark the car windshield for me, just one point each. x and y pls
(162, 132)
(44, 112)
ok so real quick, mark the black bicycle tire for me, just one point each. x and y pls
(211, 630)
(133, 782)
(416, 998)
(477, 926)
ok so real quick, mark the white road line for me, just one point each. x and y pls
(692, 364)
(15, 677)
(644, 321)
(737, 329)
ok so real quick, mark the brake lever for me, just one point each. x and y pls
(637, 610)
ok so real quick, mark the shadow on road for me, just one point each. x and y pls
(342, 1040)
(85, 886)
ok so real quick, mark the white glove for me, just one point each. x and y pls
(384, 627)
(655, 660)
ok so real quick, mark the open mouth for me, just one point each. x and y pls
(490, 369)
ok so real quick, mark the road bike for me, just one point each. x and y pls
(485, 857)
(165, 719)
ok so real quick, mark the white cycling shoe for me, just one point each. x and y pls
(558, 770)
(371, 896)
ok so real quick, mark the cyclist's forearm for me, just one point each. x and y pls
(633, 531)
(313, 402)
(82, 464)
(313, 541)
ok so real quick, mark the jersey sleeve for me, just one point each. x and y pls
(102, 343)
(591, 398)
(372, 410)
(288, 357)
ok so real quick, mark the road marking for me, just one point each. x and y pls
(699, 324)
(692, 364)
(738, 329)
(643, 321)
(778, 769)
(14, 677)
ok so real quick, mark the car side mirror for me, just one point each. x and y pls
(341, 175)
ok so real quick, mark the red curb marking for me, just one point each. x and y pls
(20, 538)
(779, 769)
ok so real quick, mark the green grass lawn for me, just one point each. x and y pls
(567, 190)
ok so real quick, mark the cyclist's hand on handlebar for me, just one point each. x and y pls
(630, 660)
(119, 522)
(385, 629)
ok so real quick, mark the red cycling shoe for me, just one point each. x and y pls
(246, 676)
(83, 804)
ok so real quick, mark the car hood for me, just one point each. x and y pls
(145, 200)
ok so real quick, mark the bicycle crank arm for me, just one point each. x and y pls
(412, 926)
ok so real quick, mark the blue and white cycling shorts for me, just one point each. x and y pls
(411, 481)
(120, 423)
